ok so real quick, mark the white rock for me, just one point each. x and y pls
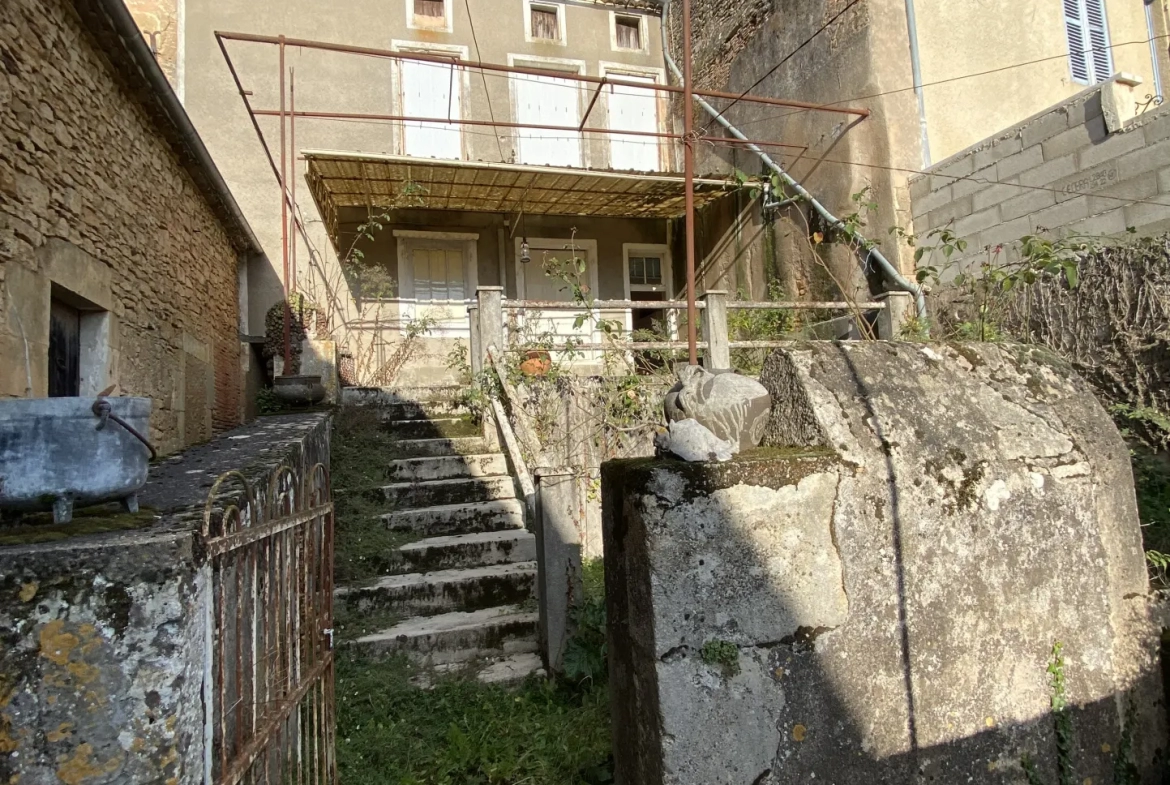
(692, 441)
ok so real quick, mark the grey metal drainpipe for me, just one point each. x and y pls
(916, 69)
(1153, 48)
(874, 254)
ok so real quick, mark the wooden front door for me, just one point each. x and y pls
(64, 350)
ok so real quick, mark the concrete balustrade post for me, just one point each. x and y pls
(714, 323)
(475, 347)
(894, 317)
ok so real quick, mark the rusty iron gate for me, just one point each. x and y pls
(268, 688)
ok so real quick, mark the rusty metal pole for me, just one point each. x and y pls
(292, 144)
(689, 173)
(284, 220)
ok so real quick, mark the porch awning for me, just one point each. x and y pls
(343, 179)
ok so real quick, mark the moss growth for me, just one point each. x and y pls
(721, 654)
(34, 528)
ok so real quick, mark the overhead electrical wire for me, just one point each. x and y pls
(786, 58)
(961, 77)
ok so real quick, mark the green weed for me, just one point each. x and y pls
(585, 653)
(462, 732)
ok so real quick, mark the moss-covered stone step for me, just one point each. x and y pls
(456, 637)
(434, 428)
(446, 467)
(427, 594)
(464, 490)
(428, 448)
(470, 550)
(421, 410)
(459, 518)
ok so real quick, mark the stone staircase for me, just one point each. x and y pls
(465, 593)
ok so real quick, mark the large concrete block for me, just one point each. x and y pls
(875, 596)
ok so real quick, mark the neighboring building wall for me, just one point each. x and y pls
(954, 38)
(862, 59)
(97, 210)
(1062, 170)
(161, 23)
(335, 82)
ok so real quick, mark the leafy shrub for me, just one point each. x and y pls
(585, 654)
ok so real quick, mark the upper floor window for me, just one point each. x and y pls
(1088, 41)
(546, 22)
(429, 14)
(627, 32)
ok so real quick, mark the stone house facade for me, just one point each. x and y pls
(120, 245)
(615, 39)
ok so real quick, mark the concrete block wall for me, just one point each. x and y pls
(1077, 168)
(96, 203)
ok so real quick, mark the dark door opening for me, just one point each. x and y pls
(64, 350)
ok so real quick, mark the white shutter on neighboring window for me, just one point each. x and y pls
(1101, 56)
(1088, 40)
(431, 90)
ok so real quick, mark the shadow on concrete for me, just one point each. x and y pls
(825, 704)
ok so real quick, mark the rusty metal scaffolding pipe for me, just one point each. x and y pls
(307, 115)
(284, 219)
(482, 66)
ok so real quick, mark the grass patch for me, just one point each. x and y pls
(361, 450)
(462, 732)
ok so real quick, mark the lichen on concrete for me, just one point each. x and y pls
(901, 592)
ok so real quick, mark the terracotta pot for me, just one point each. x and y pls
(536, 364)
(299, 390)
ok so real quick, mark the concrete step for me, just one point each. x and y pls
(457, 637)
(429, 448)
(435, 428)
(470, 550)
(511, 671)
(459, 518)
(413, 495)
(382, 396)
(421, 410)
(447, 467)
(427, 594)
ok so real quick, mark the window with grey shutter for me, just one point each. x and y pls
(1090, 57)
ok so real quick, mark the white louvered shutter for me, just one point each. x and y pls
(1101, 56)
(431, 90)
(546, 100)
(1088, 40)
(1074, 26)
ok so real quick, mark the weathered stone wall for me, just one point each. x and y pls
(1074, 169)
(103, 627)
(875, 596)
(96, 208)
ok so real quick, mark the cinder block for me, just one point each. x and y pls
(1051, 171)
(1029, 201)
(1112, 222)
(998, 151)
(1117, 196)
(1144, 159)
(1142, 214)
(948, 213)
(1027, 158)
(1084, 110)
(996, 194)
(1075, 139)
(960, 167)
(1004, 233)
(1061, 214)
(1117, 144)
(1045, 127)
(1157, 127)
(919, 187)
(977, 181)
(932, 201)
(971, 225)
(1164, 181)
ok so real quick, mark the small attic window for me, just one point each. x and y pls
(629, 32)
(430, 12)
(545, 24)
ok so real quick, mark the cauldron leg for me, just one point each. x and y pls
(62, 509)
(130, 503)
